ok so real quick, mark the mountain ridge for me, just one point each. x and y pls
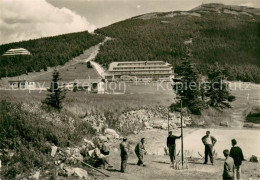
(229, 38)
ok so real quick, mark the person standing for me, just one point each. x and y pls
(209, 142)
(172, 146)
(124, 154)
(140, 151)
(237, 154)
(228, 172)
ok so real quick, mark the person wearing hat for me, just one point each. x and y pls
(209, 142)
(124, 154)
(140, 151)
(172, 146)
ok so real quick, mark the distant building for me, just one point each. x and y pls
(21, 84)
(88, 85)
(138, 70)
(17, 51)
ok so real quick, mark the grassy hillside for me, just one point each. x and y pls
(229, 37)
(27, 137)
(46, 52)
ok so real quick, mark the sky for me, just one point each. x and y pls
(30, 19)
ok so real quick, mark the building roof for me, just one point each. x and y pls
(128, 64)
(17, 51)
(19, 80)
(86, 81)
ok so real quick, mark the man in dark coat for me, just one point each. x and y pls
(228, 171)
(237, 154)
(124, 154)
(209, 142)
(172, 146)
(140, 151)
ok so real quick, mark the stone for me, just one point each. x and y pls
(36, 176)
(160, 125)
(111, 134)
(69, 171)
(201, 123)
(224, 123)
(173, 125)
(102, 138)
(253, 158)
(54, 150)
(81, 173)
(249, 125)
(147, 125)
(89, 143)
(135, 132)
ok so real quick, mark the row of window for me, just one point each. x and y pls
(129, 68)
(149, 72)
(139, 64)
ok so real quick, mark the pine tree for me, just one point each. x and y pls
(187, 88)
(217, 89)
(56, 94)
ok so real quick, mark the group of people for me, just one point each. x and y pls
(140, 151)
(233, 161)
(232, 164)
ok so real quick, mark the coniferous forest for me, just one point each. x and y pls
(46, 52)
(233, 41)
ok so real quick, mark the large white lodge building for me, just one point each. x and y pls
(138, 70)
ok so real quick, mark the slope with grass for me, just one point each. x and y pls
(46, 52)
(226, 35)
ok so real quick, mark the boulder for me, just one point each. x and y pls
(147, 125)
(69, 171)
(249, 125)
(201, 123)
(224, 123)
(160, 125)
(81, 173)
(111, 134)
(36, 176)
(173, 125)
(89, 143)
(53, 150)
(253, 159)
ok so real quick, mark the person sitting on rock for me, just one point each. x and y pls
(96, 154)
(105, 148)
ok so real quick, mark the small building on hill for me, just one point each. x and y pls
(17, 51)
(139, 70)
(89, 85)
(21, 84)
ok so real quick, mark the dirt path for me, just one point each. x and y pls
(88, 55)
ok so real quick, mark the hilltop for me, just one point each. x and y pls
(210, 33)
